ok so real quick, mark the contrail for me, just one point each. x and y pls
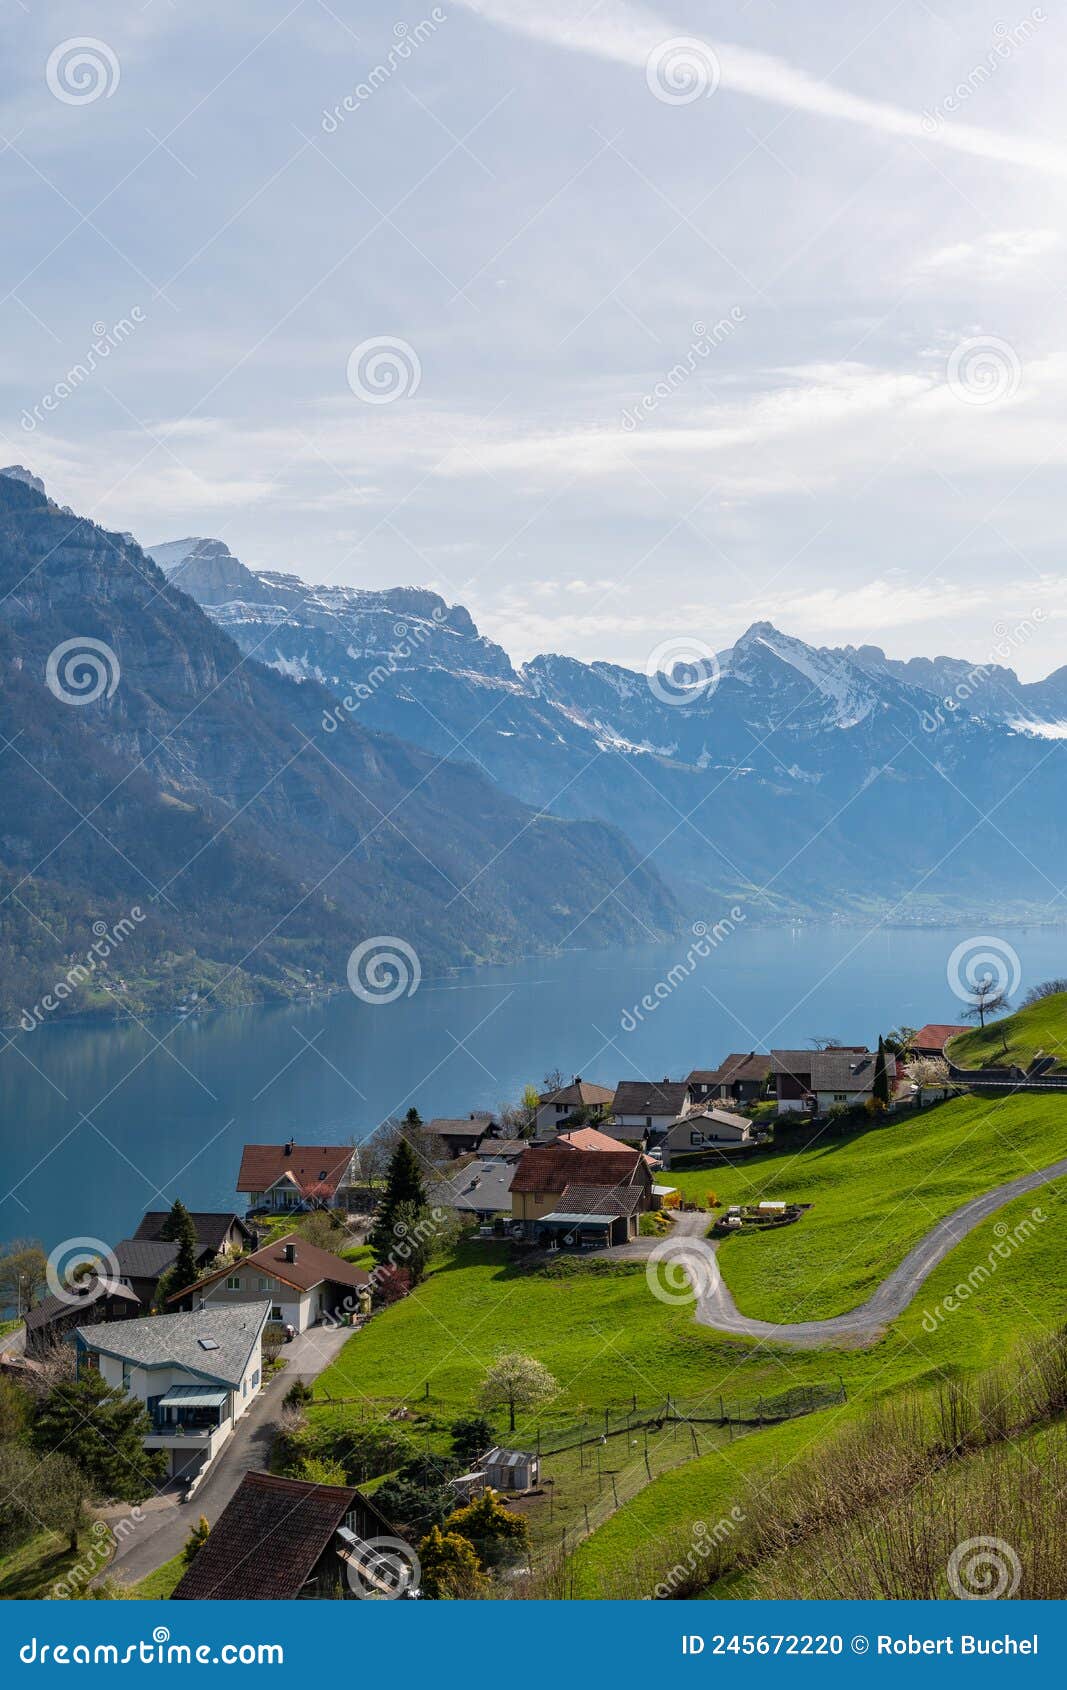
(629, 35)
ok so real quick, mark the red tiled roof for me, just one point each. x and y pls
(586, 1138)
(552, 1168)
(269, 1537)
(935, 1035)
(311, 1267)
(309, 1164)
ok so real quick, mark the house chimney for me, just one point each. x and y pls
(289, 1252)
(288, 1147)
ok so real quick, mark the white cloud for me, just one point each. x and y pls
(629, 34)
(997, 254)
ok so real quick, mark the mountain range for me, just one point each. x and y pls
(805, 780)
(178, 774)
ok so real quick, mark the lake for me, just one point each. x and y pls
(102, 1121)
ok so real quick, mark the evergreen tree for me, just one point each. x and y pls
(178, 1229)
(403, 1189)
(880, 1083)
(103, 1430)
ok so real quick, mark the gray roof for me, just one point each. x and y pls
(846, 1070)
(144, 1258)
(473, 1126)
(602, 1199)
(178, 1340)
(479, 1188)
(650, 1097)
(96, 1288)
(212, 1227)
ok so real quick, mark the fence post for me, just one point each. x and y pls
(614, 1490)
(607, 1423)
(648, 1469)
(588, 1528)
(722, 1410)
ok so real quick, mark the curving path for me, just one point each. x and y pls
(716, 1307)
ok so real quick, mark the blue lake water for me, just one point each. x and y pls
(100, 1121)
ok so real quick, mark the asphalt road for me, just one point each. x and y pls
(716, 1307)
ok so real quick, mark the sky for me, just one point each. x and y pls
(613, 324)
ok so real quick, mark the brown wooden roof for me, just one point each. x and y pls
(309, 1165)
(311, 1267)
(552, 1168)
(266, 1542)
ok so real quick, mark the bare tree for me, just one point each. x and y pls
(989, 998)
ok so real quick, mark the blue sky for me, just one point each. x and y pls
(700, 315)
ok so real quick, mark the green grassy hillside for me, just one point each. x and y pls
(873, 1196)
(1025, 1295)
(1038, 1030)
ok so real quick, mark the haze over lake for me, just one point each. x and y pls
(107, 1120)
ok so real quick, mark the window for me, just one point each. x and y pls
(124, 1280)
(696, 1138)
(276, 1311)
(263, 1282)
(234, 1282)
(648, 1120)
(126, 1372)
(255, 1378)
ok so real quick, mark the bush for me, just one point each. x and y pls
(472, 1435)
(298, 1395)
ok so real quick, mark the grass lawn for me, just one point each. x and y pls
(31, 1571)
(158, 1586)
(1017, 1038)
(874, 1196)
(1025, 1295)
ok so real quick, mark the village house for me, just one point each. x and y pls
(932, 1039)
(556, 1107)
(284, 1540)
(480, 1188)
(705, 1129)
(460, 1137)
(218, 1233)
(103, 1297)
(584, 1198)
(737, 1079)
(818, 1080)
(646, 1109)
(278, 1177)
(196, 1374)
(302, 1283)
(586, 1138)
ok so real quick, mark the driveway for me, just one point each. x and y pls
(716, 1307)
(167, 1521)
